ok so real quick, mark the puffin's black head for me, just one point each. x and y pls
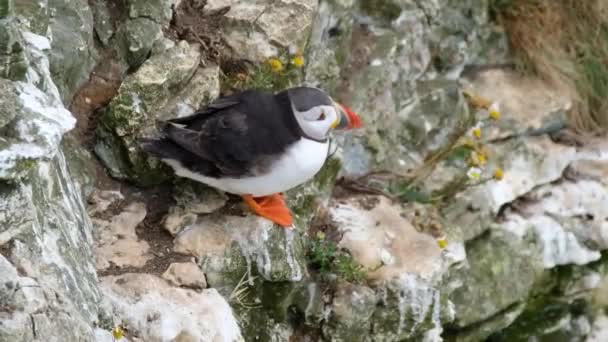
(317, 113)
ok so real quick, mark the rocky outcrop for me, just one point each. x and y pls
(517, 255)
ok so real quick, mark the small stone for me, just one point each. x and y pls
(198, 198)
(178, 219)
(100, 201)
(185, 274)
(117, 242)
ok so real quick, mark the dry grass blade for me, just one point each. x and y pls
(564, 42)
(239, 294)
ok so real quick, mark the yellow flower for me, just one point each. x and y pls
(477, 132)
(499, 174)
(320, 235)
(494, 111)
(298, 61)
(117, 333)
(478, 158)
(275, 64)
(442, 242)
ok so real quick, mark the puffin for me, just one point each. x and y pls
(254, 144)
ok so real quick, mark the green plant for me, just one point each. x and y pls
(325, 256)
(275, 74)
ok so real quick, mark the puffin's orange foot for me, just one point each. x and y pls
(271, 207)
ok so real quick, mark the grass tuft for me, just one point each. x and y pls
(566, 43)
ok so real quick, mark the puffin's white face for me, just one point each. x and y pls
(317, 113)
(318, 121)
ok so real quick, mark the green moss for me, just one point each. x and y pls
(549, 304)
(326, 177)
(24, 165)
(325, 257)
(381, 8)
(6, 8)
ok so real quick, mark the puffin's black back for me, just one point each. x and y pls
(235, 136)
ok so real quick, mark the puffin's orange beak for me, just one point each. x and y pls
(348, 119)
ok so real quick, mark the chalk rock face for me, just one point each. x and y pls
(169, 83)
(256, 30)
(88, 245)
(33, 118)
(48, 283)
(155, 311)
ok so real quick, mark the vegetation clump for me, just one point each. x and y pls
(566, 43)
(274, 74)
(328, 259)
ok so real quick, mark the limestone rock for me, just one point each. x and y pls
(256, 30)
(410, 306)
(37, 117)
(100, 201)
(139, 35)
(178, 219)
(156, 10)
(73, 55)
(229, 245)
(116, 242)
(567, 218)
(351, 312)
(377, 234)
(192, 199)
(502, 271)
(198, 198)
(527, 164)
(186, 275)
(13, 60)
(48, 276)
(141, 99)
(156, 311)
(525, 103)
(34, 14)
(381, 236)
(599, 330)
(104, 28)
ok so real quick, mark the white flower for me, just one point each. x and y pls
(386, 257)
(494, 111)
(474, 173)
(475, 131)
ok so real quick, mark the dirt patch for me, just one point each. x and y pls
(96, 93)
(322, 223)
(157, 201)
(368, 202)
(192, 23)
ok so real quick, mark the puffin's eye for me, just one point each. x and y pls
(322, 116)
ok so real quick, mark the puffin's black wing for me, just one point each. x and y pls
(219, 104)
(236, 136)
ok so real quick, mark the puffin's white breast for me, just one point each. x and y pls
(299, 163)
